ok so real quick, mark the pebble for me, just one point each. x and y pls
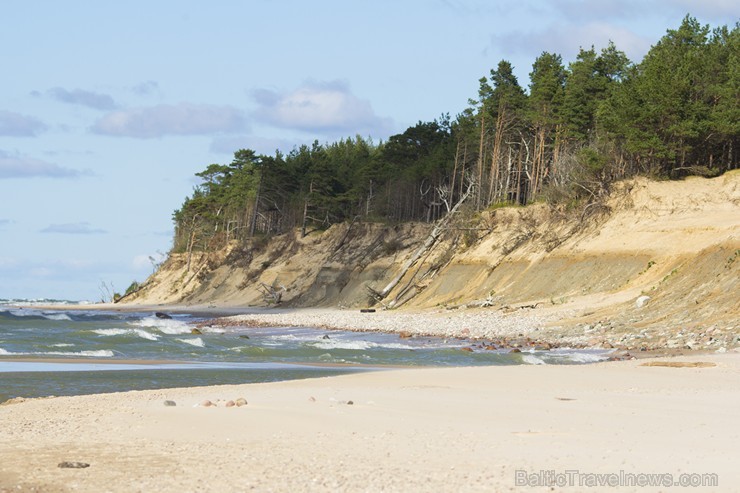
(170, 403)
(507, 330)
(241, 401)
(73, 465)
(207, 403)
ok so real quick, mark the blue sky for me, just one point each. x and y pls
(107, 109)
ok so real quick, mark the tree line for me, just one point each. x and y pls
(572, 132)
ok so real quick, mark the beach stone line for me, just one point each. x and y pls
(73, 465)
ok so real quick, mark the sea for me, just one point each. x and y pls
(76, 349)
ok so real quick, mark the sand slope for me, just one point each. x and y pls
(678, 243)
(464, 429)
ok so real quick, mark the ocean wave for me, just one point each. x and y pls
(531, 359)
(40, 301)
(100, 353)
(165, 325)
(198, 342)
(356, 345)
(574, 356)
(33, 313)
(134, 332)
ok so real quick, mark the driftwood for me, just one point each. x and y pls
(271, 294)
(438, 229)
(133, 292)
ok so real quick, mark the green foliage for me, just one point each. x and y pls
(134, 286)
(602, 118)
(678, 109)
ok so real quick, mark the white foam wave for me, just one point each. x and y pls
(571, 356)
(24, 313)
(198, 342)
(100, 353)
(110, 332)
(531, 359)
(56, 316)
(586, 357)
(62, 344)
(356, 345)
(135, 332)
(165, 325)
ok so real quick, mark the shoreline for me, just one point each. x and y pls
(517, 328)
(433, 429)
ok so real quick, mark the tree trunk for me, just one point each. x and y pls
(430, 241)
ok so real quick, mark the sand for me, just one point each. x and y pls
(454, 429)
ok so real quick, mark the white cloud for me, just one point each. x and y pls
(262, 145)
(81, 228)
(17, 125)
(315, 106)
(161, 120)
(83, 98)
(566, 40)
(14, 166)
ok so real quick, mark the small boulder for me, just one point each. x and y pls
(196, 332)
(642, 301)
(230, 403)
(170, 403)
(241, 401)
(162, 315)
(405, 334)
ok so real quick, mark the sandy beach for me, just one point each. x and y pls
(461, 429)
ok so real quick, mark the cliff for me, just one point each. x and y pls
(654, 254)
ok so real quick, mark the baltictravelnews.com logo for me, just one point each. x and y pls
(574, 477)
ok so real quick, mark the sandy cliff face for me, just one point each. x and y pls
(677, 243)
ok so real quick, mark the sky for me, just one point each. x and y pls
(108, 109)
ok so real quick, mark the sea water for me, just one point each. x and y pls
(84, 351)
